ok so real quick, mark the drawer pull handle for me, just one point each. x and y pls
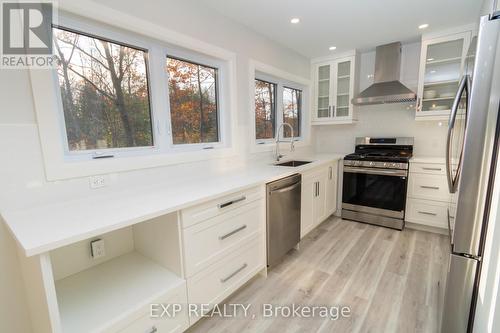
(229, 203)
(427, 213)
(430, 187)
(227, 278)
(452, 217)
(232, 232)
(153, 329)
(432, 169)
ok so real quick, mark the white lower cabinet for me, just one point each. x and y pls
(208, 242)
(428, 187)
(215, 283)
(427, 212)
(223, 247)
(308, 196)
(428, 198)
(319, 196)
(331, 188)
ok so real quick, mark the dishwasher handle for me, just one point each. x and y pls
(285, 189)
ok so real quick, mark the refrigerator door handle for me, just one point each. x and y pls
(452, 183)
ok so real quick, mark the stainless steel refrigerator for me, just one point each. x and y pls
(472, 152)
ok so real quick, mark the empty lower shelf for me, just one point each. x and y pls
(93, 299)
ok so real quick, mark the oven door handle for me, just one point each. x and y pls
(374, 171)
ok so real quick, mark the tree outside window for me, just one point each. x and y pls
(292, 105)
(104, 90)
(265, 109)
(193, 102)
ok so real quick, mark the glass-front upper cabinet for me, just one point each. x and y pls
(442, 62)
(324, 88)
(334, 89)
(343, 93)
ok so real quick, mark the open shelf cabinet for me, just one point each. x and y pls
(113, 293)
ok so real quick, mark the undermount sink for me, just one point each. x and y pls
(293, 163)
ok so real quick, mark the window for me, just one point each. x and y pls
(193, 102)
(265, 109)
(104, 91)
(115, 94)
(292, 105)
(277, 102)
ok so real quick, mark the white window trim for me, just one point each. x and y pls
(259, 70)
(48, 106)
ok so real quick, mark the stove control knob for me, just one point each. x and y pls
(385, 164)
(371, 163)
(394, 165)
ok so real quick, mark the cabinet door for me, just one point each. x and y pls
(343, 88)
(441, 67)
(319, 204)
(324, 82)
(331, 189)
(308, 195)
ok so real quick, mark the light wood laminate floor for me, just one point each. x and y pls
(392, 281)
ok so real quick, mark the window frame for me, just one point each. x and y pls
(79, 155)
(274, 112)
(299, 110)
(221, 93)
(281, 79)
(50, 116)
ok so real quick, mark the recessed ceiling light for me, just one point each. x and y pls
(423, 26)
(295, 20)
(331, 48)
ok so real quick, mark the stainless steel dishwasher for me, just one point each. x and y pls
(283, 217)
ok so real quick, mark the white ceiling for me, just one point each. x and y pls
(346, 24)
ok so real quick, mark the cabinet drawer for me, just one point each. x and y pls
(215, 283)
(201, 212)
(142, 322)
(428, 168)
(207, 242)
(426, 212)
(428, 187)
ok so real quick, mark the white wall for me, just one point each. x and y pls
(386, 119)
(22, 177)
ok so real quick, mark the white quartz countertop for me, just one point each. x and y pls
(43, 228)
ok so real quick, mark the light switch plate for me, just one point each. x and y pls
(97, 249)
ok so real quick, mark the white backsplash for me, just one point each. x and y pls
(389, 120)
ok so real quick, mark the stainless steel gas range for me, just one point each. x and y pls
(375, 181)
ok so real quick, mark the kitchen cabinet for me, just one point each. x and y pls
(319, 196)
(308, 196)
(331, 188)
(334, 87)
(428, 198)
(442, 61)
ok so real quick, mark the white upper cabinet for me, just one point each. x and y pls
(442, 62)
(334, 87)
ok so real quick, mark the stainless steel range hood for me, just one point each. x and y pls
(386, 87)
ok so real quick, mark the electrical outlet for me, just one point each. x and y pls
(97, 181)
(97, 249)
